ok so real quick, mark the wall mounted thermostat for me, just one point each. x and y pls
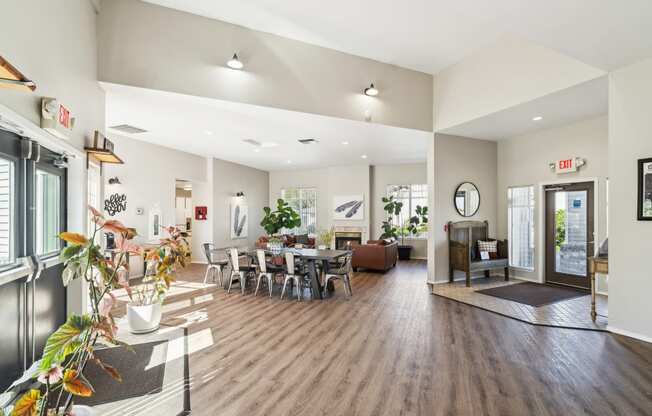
(140, 211)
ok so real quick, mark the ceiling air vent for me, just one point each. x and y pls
(129, 129)
(308, 141)
(252, 142)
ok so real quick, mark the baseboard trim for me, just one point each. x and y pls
(199, 262)
(629, 334)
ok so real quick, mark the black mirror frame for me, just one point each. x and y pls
(479, 199)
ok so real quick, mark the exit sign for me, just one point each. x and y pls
(567, 165)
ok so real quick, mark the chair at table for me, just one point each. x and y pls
(293, 274)
(264, 272)
(342, 272)
(242, 271)
(213, 265)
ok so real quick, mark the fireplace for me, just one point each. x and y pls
(343, 240)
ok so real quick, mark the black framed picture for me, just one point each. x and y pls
(645, 189)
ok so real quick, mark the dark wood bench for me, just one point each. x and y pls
(463, 254)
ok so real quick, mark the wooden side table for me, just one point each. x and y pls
(596, 265)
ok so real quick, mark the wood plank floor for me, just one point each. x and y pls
(396, 349)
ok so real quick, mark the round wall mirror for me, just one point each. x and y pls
(467, 199)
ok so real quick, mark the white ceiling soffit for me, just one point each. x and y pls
(261, 137)
(429, 35)
(573, 104)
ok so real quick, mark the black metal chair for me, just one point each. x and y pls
(213, 264)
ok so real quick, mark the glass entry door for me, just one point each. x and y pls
(569, 233)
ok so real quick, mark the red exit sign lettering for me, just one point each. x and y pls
(566, 165)
(64, 116)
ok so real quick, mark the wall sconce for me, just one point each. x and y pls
(371, 90)
(114, 181)
(240, 194)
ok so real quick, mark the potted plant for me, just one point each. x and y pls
(50, 385)
(325, 238)
(144, 310)
(413, 226)
(283, 218)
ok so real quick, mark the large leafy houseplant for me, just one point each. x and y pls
(414, 225)
(393, 209)
(49, 386)
(284, 217)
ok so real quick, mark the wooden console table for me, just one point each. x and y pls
(596, 265)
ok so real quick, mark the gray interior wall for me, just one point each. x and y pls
(630, 139)
(524, 160)
(456, 160)
(228, 179)
(138, 46)
(54, 44)
(403, 174)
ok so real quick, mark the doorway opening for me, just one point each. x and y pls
(569, 235)
(183, 208)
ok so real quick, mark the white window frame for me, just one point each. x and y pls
(410, 201)
(301, 192)
(532, 226)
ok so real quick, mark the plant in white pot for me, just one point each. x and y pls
(144, 309)
(52, 384)
(325, 238)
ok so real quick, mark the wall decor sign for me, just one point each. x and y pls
(155, 224)
(239, 225)
(56, 118)
(567, 165)
(348, 207)
(115, 203)
(645, 189)
(201, 213)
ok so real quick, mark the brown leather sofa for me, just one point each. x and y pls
(375, 255)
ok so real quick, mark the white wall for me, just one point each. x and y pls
(524, 160)
(381, 177)
(140, 46)
(54, 43)
(148, 178)
(509, 72)
(456, 160)
(339, 180)
(630, 139)
(228, 179)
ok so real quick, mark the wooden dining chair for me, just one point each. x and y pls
(343, 272)
(293, 274)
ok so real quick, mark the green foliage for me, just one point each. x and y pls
(393, 209)
(64, 339)
(283, 217)
(418, 223)
(560, 228)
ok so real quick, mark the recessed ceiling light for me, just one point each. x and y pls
(257, 150)
(345, 143)
(371, 90)
(364, 156)
(289, 162)
(537, 118)
(234, 62)
(208, 132)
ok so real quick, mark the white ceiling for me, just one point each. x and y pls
(579, 102)
(209, 127)
(429, 35)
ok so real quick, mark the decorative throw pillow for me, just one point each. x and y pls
(490, 247)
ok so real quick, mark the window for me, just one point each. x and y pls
(48, 214)
(7, 213)
(520, 213)
(303, 201)
(411, 196)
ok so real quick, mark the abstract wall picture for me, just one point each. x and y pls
(201, 213)
(239, 224)
(155, 224)
(115, 203)
(348, 207)
(645, 189)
